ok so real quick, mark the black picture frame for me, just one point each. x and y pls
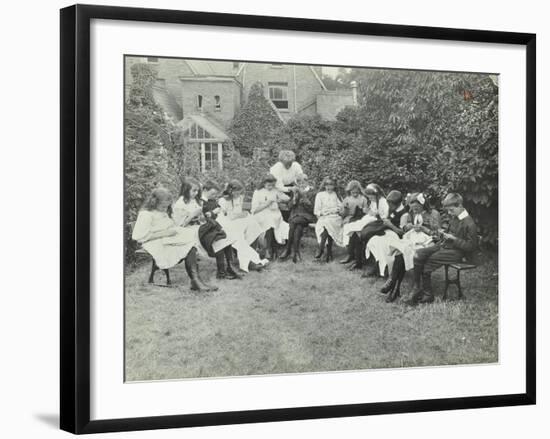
(75, 218)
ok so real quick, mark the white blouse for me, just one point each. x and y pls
(284, 175)
(263, 195)
(326, 204)
(148, 222)
(231, 207)
(383, 209)
(182, 211)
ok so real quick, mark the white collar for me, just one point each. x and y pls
(463, 214)
(400, 208)
(203, 198)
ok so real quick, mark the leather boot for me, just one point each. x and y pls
(427, 296)
(329, 249)
(269, 244)
(230, 272)
(288, 247)
(193, 272)
(322, 244)
(417, 292)
(398, 273)
(297, 238)
(220, 265)
(351, 252)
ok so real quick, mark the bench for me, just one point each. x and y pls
(458, 267)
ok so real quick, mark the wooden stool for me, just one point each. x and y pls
(459, 266)
(154, 268)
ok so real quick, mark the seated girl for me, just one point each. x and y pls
(167, 243)
(384, 247)
(419, 226)
(327, 209)
(301, 214)
(355, 206)
(265, 210)
(371, 224)
(238, 224)
(188, 213)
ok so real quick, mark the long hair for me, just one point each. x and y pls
(155, 197)
(186, 187)
(230, 187)
(353, 185)
(268, 178)
(328, 180)
(376, 190)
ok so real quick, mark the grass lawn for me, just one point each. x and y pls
(300, 318)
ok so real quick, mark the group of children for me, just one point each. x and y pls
(393, 232)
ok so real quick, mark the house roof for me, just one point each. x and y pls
(217, 134)
(206, 68)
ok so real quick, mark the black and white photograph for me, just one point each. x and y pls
(284, 218)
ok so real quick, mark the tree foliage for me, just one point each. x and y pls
(255, 127)
(434, 132)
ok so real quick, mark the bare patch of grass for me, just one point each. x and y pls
(302, 317)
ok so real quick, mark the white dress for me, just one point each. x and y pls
(243, 230)
(382, 210)
(385, 247)
(327, 210)
(270, 217)
(181, 211)
(168, 251)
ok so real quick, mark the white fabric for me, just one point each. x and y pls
(285, 176)
(381, 210)
(384, 248)
(270, 217)
(181, 212)
(243, 230)
(327, 210)
(168, 251)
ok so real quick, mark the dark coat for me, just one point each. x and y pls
(301, 207)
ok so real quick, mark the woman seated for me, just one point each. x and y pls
(188, 213)
(238, 224)
(301, 214)
(327, 209)
(167, 243)
(265, 210)
(355, 206)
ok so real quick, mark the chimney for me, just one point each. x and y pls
(353, 85)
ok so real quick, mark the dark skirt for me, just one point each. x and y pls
(374, 228)
(210, 232)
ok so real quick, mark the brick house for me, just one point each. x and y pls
(202, 97)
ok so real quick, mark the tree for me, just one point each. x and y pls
(254, 129)
(150, 152)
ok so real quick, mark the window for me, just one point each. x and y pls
(236, 65)
(152, 59)
(211, 156)
(217, 103)
(199, 102)
(278, 93)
